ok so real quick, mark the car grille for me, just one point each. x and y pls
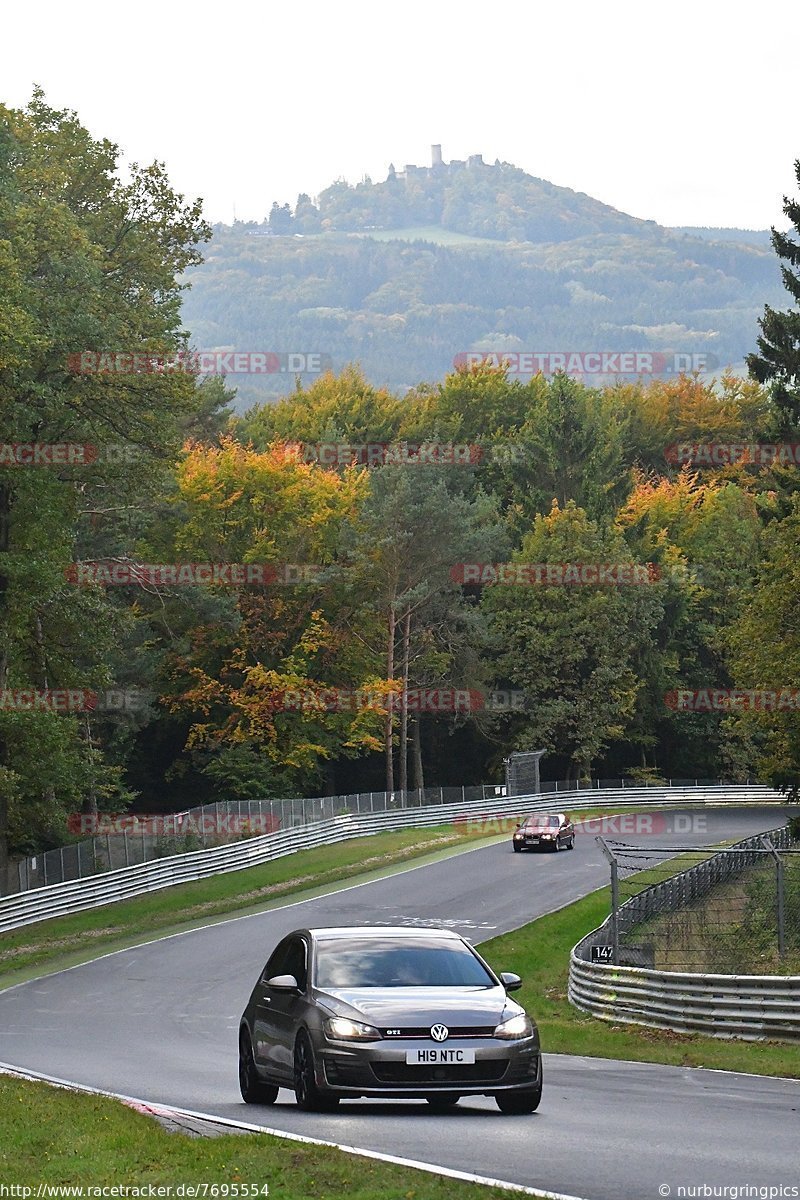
(487, 1071)
(424, 1031)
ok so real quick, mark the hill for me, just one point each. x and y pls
(404, 275)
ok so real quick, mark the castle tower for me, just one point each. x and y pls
(436, 156)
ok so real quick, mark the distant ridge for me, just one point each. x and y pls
(405, 275)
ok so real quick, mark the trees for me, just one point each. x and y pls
(87, 262)
(572, 649)
(778, 359)
(765, 651)
(415, 525)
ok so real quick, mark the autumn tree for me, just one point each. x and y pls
(88, 262)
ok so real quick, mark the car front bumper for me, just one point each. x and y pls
(380, 1068)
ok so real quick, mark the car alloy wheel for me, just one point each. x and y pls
(309, 1097)
(252, 1089)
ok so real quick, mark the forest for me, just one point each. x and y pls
(224, 570)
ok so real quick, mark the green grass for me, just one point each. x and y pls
(54, 1136)
(539, 952)
(428, 233)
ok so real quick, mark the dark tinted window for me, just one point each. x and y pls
(289, 958)
(383, 962)
(296, 962)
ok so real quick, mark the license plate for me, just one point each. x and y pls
(534, 841)
(438, 1056)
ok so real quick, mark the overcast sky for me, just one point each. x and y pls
(684, 112)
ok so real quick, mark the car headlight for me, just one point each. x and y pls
(547, 835)
(517, 835)
(343, 1029)
(516, 1027)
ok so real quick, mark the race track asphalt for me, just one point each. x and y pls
(159, 1022)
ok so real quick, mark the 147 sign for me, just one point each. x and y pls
(603, 954)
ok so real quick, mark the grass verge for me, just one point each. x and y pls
(53, 1136)
(539, 952)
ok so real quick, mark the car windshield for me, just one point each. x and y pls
(386, 962)
(540, 822)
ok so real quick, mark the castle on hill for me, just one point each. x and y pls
(437, 164)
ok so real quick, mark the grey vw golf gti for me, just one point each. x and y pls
(386, 1012)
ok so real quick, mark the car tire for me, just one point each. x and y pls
(516, 847)
(309, 1097)
(517, 1104)
(442, 1103)
(253, 1089)
(571, 845)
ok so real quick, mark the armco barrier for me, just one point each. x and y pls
(78, 895)
(752, 1007)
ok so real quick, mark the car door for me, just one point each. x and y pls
(288, 1007)
(277, 1013)
(265, 1027)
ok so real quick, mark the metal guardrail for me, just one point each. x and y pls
(752, 1007)
(81, 894)
(140, 838)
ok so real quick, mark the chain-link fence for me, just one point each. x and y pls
(130, 840)
(734, 910)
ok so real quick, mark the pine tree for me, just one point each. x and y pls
(778, 360)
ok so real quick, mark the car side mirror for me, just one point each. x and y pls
(510, 981)
(283, 983)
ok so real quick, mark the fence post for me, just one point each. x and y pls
(614, 898)
(779, 887)
(781, 906)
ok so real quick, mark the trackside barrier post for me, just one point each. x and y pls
(780, 895)
(614, 897)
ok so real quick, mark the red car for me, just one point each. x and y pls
(552, 831)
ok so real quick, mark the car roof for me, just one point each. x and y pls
(362, 931)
